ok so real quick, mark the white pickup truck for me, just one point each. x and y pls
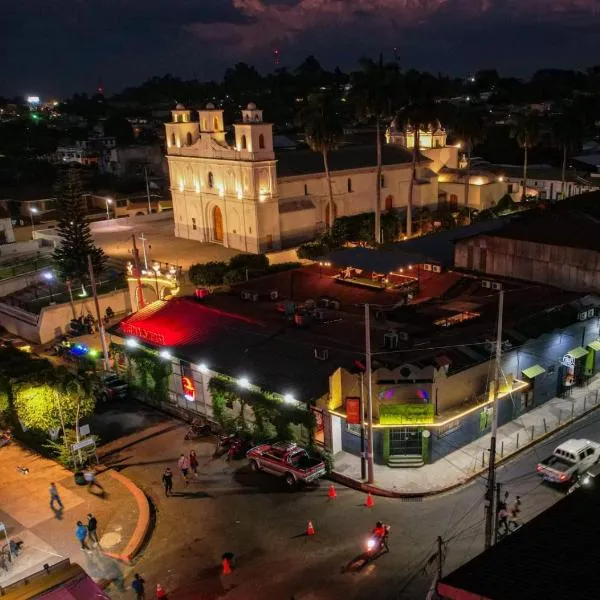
(569, 461)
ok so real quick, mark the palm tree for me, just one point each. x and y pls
(526, 131)
(374, 88)
(415, 116)
(566, 130)
(323, 130)
(470, 128)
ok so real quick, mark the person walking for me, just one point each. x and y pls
(54, 497)
(81, 533)
(184, 466)
(90, 478)
(167, 480)
(137, 585)
(92, 528)
(194, 462)
(514, 513)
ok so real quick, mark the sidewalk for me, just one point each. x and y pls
(471, 460)
(49, 536)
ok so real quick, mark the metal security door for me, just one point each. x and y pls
(405, 441)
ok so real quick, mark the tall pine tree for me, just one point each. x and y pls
(76, 243)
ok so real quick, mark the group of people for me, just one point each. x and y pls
(89, 531)
(508, 516)
(187, 465)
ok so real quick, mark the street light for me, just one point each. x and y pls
(49, 276)
(108, 201)
(32, 211)
(244, 382)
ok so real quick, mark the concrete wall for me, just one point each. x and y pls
(569, 268)
(481, 197)
(16, 248)
(298, 226)
(53, 320)
(127, 221)
(14, 284)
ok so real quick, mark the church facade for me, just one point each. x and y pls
(244, 195)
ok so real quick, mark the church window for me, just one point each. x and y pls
(382, 181)
(194, 226)
(349, 184)
(305, 189)
(216, 124)
(261, 141)
(211, 180)
(453, 202)
(172, 139)
(389, 202)
(244, 142)
(188, 139)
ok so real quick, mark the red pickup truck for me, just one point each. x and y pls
(286, 460)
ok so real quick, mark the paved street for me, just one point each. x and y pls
(228, 508)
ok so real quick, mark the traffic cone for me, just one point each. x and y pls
(226, 566)
(160, 591)
(332, 493)
(310, 530)
(369, 501)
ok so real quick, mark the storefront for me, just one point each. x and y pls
(572, 371)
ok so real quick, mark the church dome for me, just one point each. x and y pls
(251, 106)
(180, 106)
(210, 106)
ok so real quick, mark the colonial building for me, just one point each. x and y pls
(244, 195)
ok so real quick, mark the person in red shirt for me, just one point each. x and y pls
(381, 532)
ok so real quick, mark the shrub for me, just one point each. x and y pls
(312, 250)
(234, 276)
(209, 274)
(286, 266)
(255, 262)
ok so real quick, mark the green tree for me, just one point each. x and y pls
(76, 243)
(323, 131)
(470, 128)
(567, 129)
(374, 89)
(526, 132)
(210, 274)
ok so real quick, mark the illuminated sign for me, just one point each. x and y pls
(33, 99)
(189, 389)
(353, 410)
(406, 414)
(144, 334)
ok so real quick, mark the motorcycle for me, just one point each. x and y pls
(232, 444)
(375, 546)
(197, 430)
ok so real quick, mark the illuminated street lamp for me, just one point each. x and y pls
(32, 211)
(288, 398)
(165, 354)
(108, 201)
(244, 382)
(49, 277)
(131, 343)
(203, 368)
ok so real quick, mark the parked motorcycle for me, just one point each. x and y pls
(197, 430)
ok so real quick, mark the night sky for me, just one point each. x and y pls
(54, 47)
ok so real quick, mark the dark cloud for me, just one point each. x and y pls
(64, 45)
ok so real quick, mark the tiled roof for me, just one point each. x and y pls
(305, 162)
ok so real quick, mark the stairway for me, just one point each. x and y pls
(404, 461)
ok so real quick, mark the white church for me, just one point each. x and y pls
(246, 196)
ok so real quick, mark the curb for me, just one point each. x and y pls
(143, 523)
(385, 493)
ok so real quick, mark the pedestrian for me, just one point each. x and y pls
(514, 513)
(54, 497)
(503, 520)
(90, 477)
(194, 462)
(92, 528)
(81, 533)
(167, 480)
(137, 585)
(184, 466)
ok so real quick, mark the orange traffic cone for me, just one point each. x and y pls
(369, 501)
(160, 591)
(310, 530)
(332, 493)
(226, 566)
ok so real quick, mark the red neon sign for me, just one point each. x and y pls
(189, 389)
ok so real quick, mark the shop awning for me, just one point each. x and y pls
(578, 352)
(595, 345)
(533, 371)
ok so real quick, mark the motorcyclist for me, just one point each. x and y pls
(381, 533)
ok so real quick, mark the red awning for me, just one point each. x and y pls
(79, 588)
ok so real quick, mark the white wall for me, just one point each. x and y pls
(14, 248)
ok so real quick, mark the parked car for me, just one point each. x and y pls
(112, 387)
(288, 460)
(569, 461)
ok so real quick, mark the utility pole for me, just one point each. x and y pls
(98, 315)
(437, 558)
(361, 410)
(138, 274)
(370, 474)
(147, 193)
(490, 513)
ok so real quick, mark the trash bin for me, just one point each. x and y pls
(79, 478)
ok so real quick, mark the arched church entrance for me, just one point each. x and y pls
(217, 224)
